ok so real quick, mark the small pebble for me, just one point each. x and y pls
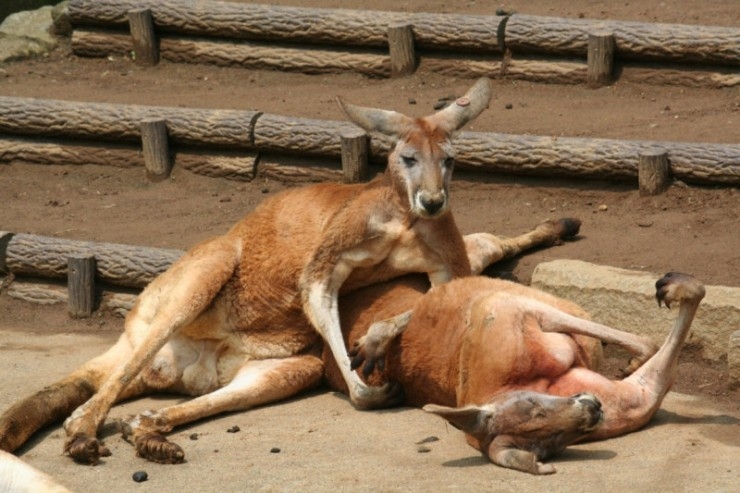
(193, 436)
(603, 207)
(412, 101)
(275, 450)
(509, 106)
(265, 190)
(428, 439)
(140, 476)
(423, 450)
(234, 429)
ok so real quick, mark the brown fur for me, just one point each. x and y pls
(514, 367)
(225, 370)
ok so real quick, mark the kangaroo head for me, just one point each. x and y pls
(421, 162)
(520, 428)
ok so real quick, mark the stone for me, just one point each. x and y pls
(625, 299)
(26, 34)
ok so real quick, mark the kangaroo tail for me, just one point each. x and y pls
(47, 406)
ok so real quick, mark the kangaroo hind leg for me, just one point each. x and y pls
(257, 382)
(172, 301)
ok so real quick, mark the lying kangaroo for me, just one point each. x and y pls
(509, 365)
(225, 370)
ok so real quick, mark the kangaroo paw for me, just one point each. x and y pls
(368, 353)
(85, 449)
(568, 227)
(156, 448)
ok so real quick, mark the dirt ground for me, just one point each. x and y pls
(689, 228)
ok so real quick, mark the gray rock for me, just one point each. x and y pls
(25, 34)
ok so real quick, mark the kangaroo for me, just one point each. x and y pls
(248, 294)
(514, 367)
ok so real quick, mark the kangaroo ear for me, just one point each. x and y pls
(386, 122)
(470, 419)
(465, 108)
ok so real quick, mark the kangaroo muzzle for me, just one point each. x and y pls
(430, 204)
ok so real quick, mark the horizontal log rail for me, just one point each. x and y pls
(294, 24)
(376, 63)
(432, 32)
(117, 264)
(35, 129)
(633, 40)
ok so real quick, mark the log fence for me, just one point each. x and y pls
(244, 144)
(85, 275)
(33, 269)
(385, 44)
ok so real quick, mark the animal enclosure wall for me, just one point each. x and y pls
(314, 40)
(245, 144)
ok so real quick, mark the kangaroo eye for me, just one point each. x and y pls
(409, 161)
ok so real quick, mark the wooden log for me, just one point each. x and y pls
(146, 51)
(241, 166)
(301, 135)
(222, 53)
(465, 68)
(292, 169)
(121, 123)
(653, 172)
(355, 151)
(600, 59)
(678, 75)
(548, 71)
(244, 54)
(691, 162)
(633, 40)
(471, 33)
(122, 265)
(208, 162)
(48, 152)
(156, 148)
(401, 47)
(593, 158)
(49, 293)
(38, 292)
(81, 285)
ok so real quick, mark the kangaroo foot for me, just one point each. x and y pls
(389, 395)
(85, 449)
(156, 448)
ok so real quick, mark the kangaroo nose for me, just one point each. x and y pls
(432, 204)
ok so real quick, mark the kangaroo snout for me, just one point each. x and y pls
(431, 204)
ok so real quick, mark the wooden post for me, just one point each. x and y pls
(5, 238)
(81, 285)
(146, 49)
(401, 46)
(653, 172)
(156, 148)
(355, 157)
(600, 59)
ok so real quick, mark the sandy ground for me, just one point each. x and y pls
(326, 445)
(694, 443)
